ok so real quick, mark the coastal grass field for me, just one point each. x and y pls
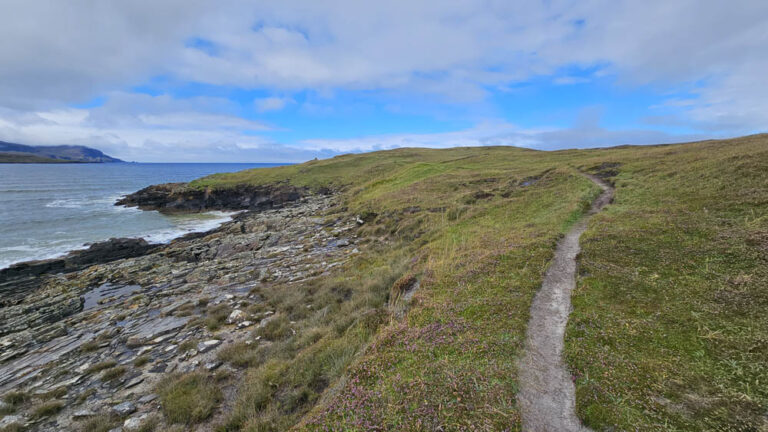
(668, 330)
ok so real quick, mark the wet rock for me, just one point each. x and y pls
(124, 409)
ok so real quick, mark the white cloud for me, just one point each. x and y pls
(58, 53)
(272, 103)
(586, 133)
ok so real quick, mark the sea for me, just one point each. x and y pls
(47, 210)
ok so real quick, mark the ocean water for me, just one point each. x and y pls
(47, 210)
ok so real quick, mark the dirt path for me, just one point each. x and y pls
(547, 393)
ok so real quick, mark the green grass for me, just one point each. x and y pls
(669, 327)
(188, 399)
(668, 330)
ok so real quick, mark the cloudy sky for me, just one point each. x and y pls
(264, 81)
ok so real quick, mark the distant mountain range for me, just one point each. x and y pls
(20, 153)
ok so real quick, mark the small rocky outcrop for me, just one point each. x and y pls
(179, 197)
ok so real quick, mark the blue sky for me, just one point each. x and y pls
(240, 81)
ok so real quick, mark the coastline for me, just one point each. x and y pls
(132, 300)
(51, 210)
(157, 238)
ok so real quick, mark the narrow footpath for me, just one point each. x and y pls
(547, 394)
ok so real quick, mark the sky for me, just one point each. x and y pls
(288, 81)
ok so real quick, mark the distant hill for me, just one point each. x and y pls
(20, 153)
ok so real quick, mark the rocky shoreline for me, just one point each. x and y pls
(179, 197)
(90, 335)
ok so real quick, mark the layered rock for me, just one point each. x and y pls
(179, 197)
(18, 280)
(149, 319)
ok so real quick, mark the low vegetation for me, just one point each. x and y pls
(98, 367)
(669, 330)
(422, 329)
(99, 424)
(47, 409)
(188, 399)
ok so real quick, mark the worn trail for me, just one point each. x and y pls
(547, 393)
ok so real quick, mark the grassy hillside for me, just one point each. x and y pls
(668, 330)
(59, 153)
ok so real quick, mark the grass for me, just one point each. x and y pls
(89, 346)
(57, 393)
(188, 345)
(113, 373)
(669, 330)
(101, 423)
(216, 316)
(189, 398)
(98, 367)
(141, 360)
(47, 409)
(13, 427)
(667, 333)
(13, 400)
